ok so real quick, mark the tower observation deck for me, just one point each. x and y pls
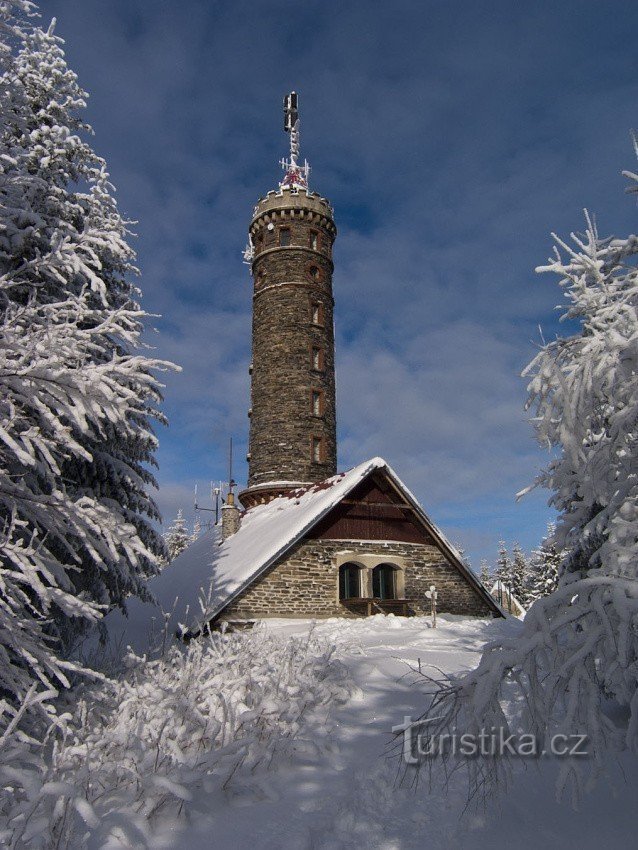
(292, 417)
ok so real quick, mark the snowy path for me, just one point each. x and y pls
(347, 797)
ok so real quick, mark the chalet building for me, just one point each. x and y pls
(312, 542)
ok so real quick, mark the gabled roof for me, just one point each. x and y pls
(208, 575)
(269, 531)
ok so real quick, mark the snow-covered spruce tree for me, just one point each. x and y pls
(463, 556)
(51, 391)
(63, 237)
(15, 18)
(520, 574)
(177, 537)
(75, 397)
(503, 577)
(503, 569)
(545, 567)
(576, 658)
(197, 530)
(485, 575)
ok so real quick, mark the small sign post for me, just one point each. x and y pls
(432, 594)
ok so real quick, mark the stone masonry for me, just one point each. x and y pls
(304, 583)
(292, 416)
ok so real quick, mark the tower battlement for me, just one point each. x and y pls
(293, 199)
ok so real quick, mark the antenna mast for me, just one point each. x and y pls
(215, 492)
(296, 176)
(230, 498)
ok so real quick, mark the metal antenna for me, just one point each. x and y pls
(230, 498)
(291, 125)
(214, 495)
(216, 490)
(296, 176)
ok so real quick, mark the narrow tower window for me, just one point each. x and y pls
(313, 239)
(317, 450)
(314, 272)
(317, 402)
(316, 359)
(317, 313)
(284, 237)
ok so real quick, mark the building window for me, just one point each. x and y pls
(317, 313)
(316, 449)
(314, 273)
(284, 236)
(384, 584)
(313, 240)
(316, 359)
(316, 402)
(350, 581)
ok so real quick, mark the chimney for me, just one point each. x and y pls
(231, 517)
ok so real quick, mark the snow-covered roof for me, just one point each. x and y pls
(204, 578)
(268, 531)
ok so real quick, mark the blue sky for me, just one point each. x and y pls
(451, 139)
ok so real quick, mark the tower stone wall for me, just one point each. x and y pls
(292, 415)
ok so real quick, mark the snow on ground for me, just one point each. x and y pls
(346, 794)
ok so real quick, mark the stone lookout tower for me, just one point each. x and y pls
(292, 417)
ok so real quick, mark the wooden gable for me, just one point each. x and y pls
(373, 510)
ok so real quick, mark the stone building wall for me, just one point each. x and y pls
(305, 582)
(292, 315)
